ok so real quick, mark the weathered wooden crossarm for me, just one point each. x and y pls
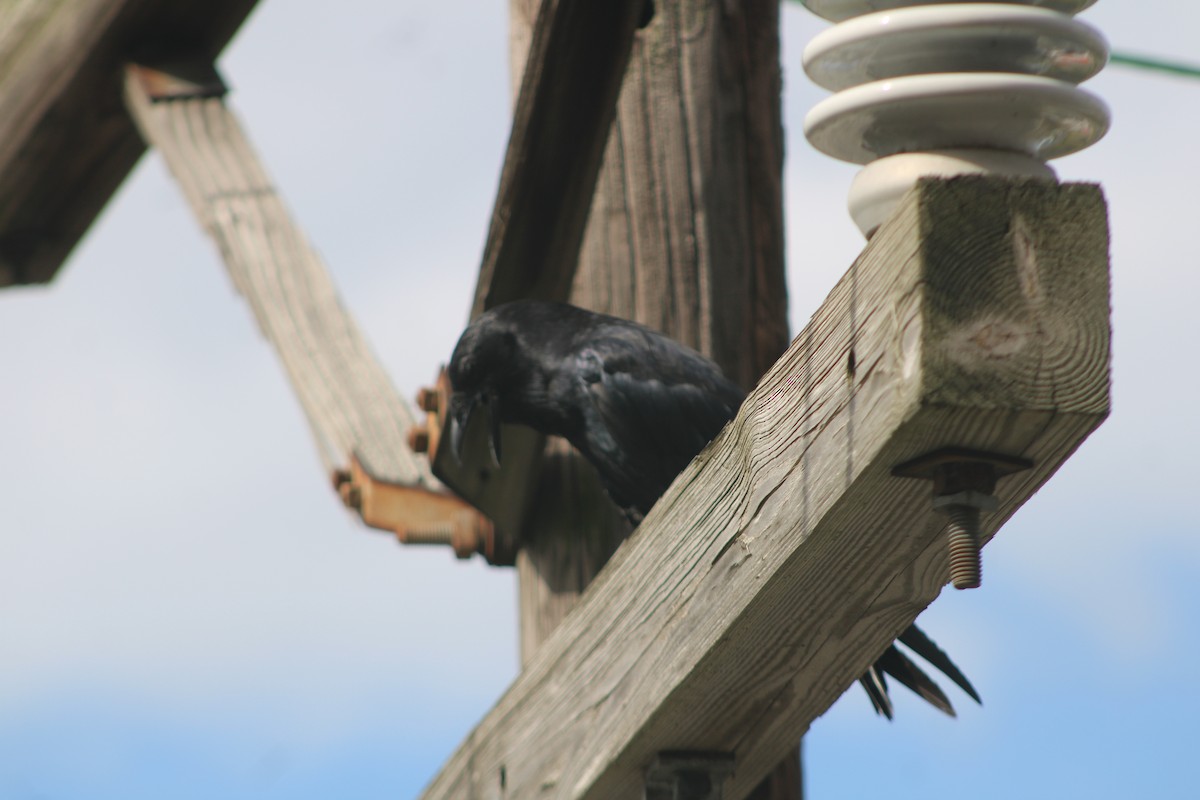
(787, 556)
(359, 421)
(563, 114)
(66, 143)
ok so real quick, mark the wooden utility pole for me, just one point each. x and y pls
(685, 235)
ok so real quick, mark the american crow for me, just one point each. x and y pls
(638, 406)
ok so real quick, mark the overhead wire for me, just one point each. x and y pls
(1154, 63)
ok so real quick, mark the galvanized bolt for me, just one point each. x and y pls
(687, 775)
(962, 534)
(966, 567)
(963, 482)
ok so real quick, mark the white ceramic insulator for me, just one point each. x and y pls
(941, 88)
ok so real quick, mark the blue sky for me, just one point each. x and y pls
(186, 611)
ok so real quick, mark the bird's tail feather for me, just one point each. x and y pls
(876, 686)
(915, 639)
(899, 666)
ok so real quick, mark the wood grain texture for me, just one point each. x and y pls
(685, 235)
(786, 557)
(66, 141)
(349, 401)
(686, 229)
(696, 156)
(572, 529)
(570, 81)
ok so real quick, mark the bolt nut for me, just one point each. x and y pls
(340, 476)
(979, 500)
(418, 438)
(427, 399)
(963, 482)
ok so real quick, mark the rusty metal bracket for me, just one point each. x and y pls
(687, 775)
(421, 516)
(503, 494)
(963, 484)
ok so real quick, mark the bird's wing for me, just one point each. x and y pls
(650, 407)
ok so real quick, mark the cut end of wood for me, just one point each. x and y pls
(1018, 304)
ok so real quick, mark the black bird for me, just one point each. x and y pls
(639, 406)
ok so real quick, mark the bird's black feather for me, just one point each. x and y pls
(901, 667)
(916, 640)
(639, 406)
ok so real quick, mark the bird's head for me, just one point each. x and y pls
(479, 370)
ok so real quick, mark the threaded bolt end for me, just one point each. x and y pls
(435, 533)
(966, 569)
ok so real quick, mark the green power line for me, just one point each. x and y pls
(1158, 64)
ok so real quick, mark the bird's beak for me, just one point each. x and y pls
(461, 408)
(494, 440)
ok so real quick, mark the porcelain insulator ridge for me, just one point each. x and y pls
(943, 89)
